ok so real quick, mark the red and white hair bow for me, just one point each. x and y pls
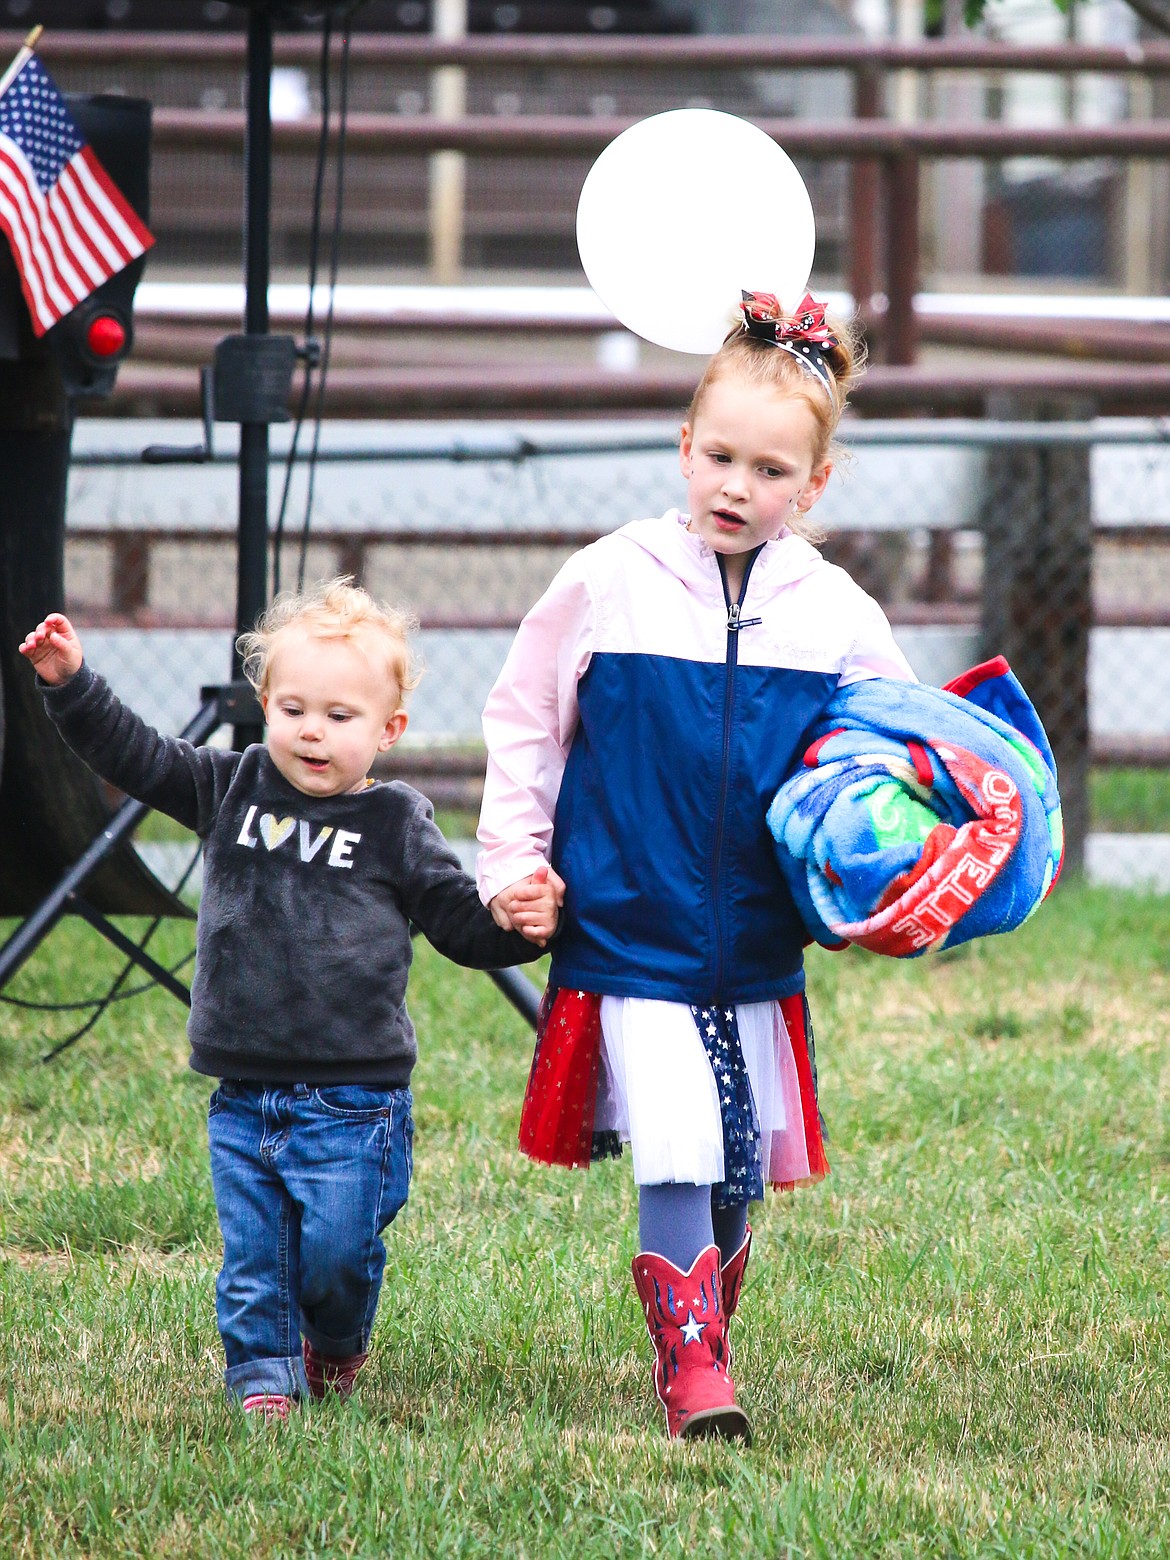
(804, 334)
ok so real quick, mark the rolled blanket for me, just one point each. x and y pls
(921, 817)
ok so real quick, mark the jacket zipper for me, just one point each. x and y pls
(735, 621)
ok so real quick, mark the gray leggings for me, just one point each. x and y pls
(678, 1221)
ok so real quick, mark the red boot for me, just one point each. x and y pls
(330, 1372)
(731, 1275)
(688, 1328)
(731, 1280)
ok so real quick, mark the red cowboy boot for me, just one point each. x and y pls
(329, 1372)
(688, 1328)
(731, 1275)
(731, 1280)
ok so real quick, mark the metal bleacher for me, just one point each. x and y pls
(401, 16)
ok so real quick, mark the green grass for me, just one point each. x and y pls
(1130, 801)
(956, 1346)
(157, 828)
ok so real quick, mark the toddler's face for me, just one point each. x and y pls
(330, 712)
(748, 461)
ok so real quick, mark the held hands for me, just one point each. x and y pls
(531, 906)
(53, 648)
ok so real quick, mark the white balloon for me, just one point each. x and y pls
(683, 212)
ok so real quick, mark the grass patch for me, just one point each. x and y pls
(1130, 801)
(157, 829)
(457, 824)
(956, 1346)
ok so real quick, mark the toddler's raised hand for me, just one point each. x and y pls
(531, 906)
(53, 648)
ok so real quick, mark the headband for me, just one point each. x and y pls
(805, 336)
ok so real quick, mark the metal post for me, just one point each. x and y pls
(1038, 592)
(865, 196)
(448, 169)
(1138, 203)
(252, 557)
(520, 992)
(901, 210)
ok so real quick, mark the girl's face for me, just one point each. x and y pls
(330, 712)
(748, 461)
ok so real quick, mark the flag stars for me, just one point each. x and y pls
(34, 117)
(48, 171)
(718, 1029)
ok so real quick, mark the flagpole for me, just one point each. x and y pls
(26, 53)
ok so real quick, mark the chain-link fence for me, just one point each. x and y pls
(1047, 542)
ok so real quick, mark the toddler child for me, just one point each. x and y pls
(313, 873)
(653, 701)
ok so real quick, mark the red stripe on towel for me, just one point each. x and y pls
(812, 753)
(793, 1009)
(921, 763)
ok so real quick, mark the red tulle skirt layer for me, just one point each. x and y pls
(557, 1119)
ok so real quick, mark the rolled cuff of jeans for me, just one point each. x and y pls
(284, 1377)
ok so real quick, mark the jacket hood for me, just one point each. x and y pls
(781, 562)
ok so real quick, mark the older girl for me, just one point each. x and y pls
(653, 701)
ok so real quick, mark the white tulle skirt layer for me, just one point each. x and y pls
(657, 1091)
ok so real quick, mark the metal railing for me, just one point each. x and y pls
(884, 157)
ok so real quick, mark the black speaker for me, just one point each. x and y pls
(92, 340)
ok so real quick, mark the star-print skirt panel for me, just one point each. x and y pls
(743, 1147)
(625, 1069)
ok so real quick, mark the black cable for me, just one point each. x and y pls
(334, 261)
(314, 261)
(85, 1028)
(113, 993)
(89, 1002)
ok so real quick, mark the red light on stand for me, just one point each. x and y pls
(105, 336)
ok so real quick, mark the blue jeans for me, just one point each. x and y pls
(306, 1179)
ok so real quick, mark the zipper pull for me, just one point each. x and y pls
(735, 622)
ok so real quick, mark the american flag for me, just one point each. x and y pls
(69, 228)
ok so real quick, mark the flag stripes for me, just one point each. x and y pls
(68, 225)
(78, 222)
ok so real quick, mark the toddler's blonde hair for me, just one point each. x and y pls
(335, 609)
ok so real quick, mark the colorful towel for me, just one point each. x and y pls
(921, 817)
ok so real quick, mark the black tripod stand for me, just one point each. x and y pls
(249, 383)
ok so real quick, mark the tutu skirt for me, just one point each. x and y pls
(622, 1069)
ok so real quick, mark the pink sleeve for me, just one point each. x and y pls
(874, 652)
(528, 724)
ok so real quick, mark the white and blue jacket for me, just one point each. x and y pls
(636, 736)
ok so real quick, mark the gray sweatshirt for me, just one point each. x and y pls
(303, 939)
